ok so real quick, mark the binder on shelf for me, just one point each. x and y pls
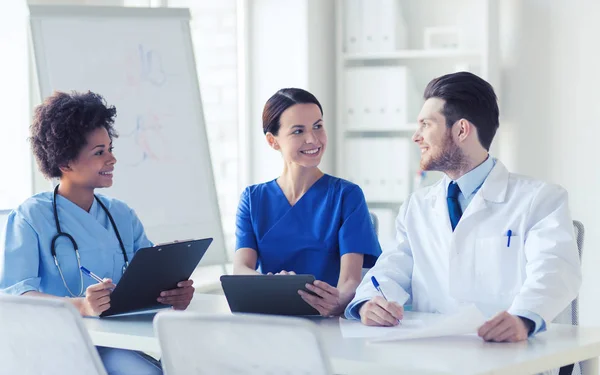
(380, 166)
(353, 37)
(391, 27)
(376, 98)
(400, 181)
(370, 33)
(353, 97)
(357, 166)
(373, 26)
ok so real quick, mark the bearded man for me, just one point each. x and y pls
(481, 235)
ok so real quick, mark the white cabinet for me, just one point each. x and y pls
(372, 26)
(378, 166)
(386, 53)
(375, 97)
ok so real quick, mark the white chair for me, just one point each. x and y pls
(193, 343)
(571, 314)
(40, 335)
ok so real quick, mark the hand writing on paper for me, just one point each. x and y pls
(379, 312)
(180, 297)
(504, 327)
(97, 298)
(328, 300)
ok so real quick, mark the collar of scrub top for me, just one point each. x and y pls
(60, 234)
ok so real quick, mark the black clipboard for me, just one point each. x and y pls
(268, 294)
(153, 270)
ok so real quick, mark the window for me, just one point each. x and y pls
(15, 159)
(214, 34)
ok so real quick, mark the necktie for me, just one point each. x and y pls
(453, 207)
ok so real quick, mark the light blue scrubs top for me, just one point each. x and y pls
(27, 263)
(331, 219)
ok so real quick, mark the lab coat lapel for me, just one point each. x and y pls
(495, 187)
(477, 204)
(439, 205)
(493, 190)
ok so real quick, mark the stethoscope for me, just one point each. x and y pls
(60, 234)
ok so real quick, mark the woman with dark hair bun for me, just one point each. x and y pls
(305, 221)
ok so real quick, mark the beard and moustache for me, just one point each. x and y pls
(449, 159)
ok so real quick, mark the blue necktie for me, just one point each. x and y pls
(453, 206)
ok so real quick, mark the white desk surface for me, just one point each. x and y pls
(560, 345)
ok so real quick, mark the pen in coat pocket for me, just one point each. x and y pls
(509, 235)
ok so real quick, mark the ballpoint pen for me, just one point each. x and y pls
(92, 275)
(376, 285)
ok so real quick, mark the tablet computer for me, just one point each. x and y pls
(153, 270)
(267, 294)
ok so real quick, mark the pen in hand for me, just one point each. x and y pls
(92, 275)
(376, 285)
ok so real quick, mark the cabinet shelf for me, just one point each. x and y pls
(405, 131)
(374, 205)
(414, 54)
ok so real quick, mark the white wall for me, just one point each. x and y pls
(14, 106)
(3, 217)
(550, 110)
(214, 33)
(290, 44)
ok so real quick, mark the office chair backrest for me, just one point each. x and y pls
(571, 314)
(580, 237)
(40, 335)
(375, 222)
(193, 343)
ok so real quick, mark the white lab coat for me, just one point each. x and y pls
(439, 269)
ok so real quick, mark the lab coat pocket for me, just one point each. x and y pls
(498, 267)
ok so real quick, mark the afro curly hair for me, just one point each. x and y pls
(62, 123)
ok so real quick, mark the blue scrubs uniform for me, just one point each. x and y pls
(27, 263)
(331, 219)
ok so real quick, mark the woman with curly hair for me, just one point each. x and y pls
(52, 234)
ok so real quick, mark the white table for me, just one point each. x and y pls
(560, 345)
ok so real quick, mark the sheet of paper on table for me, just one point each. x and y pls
(465, 321)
